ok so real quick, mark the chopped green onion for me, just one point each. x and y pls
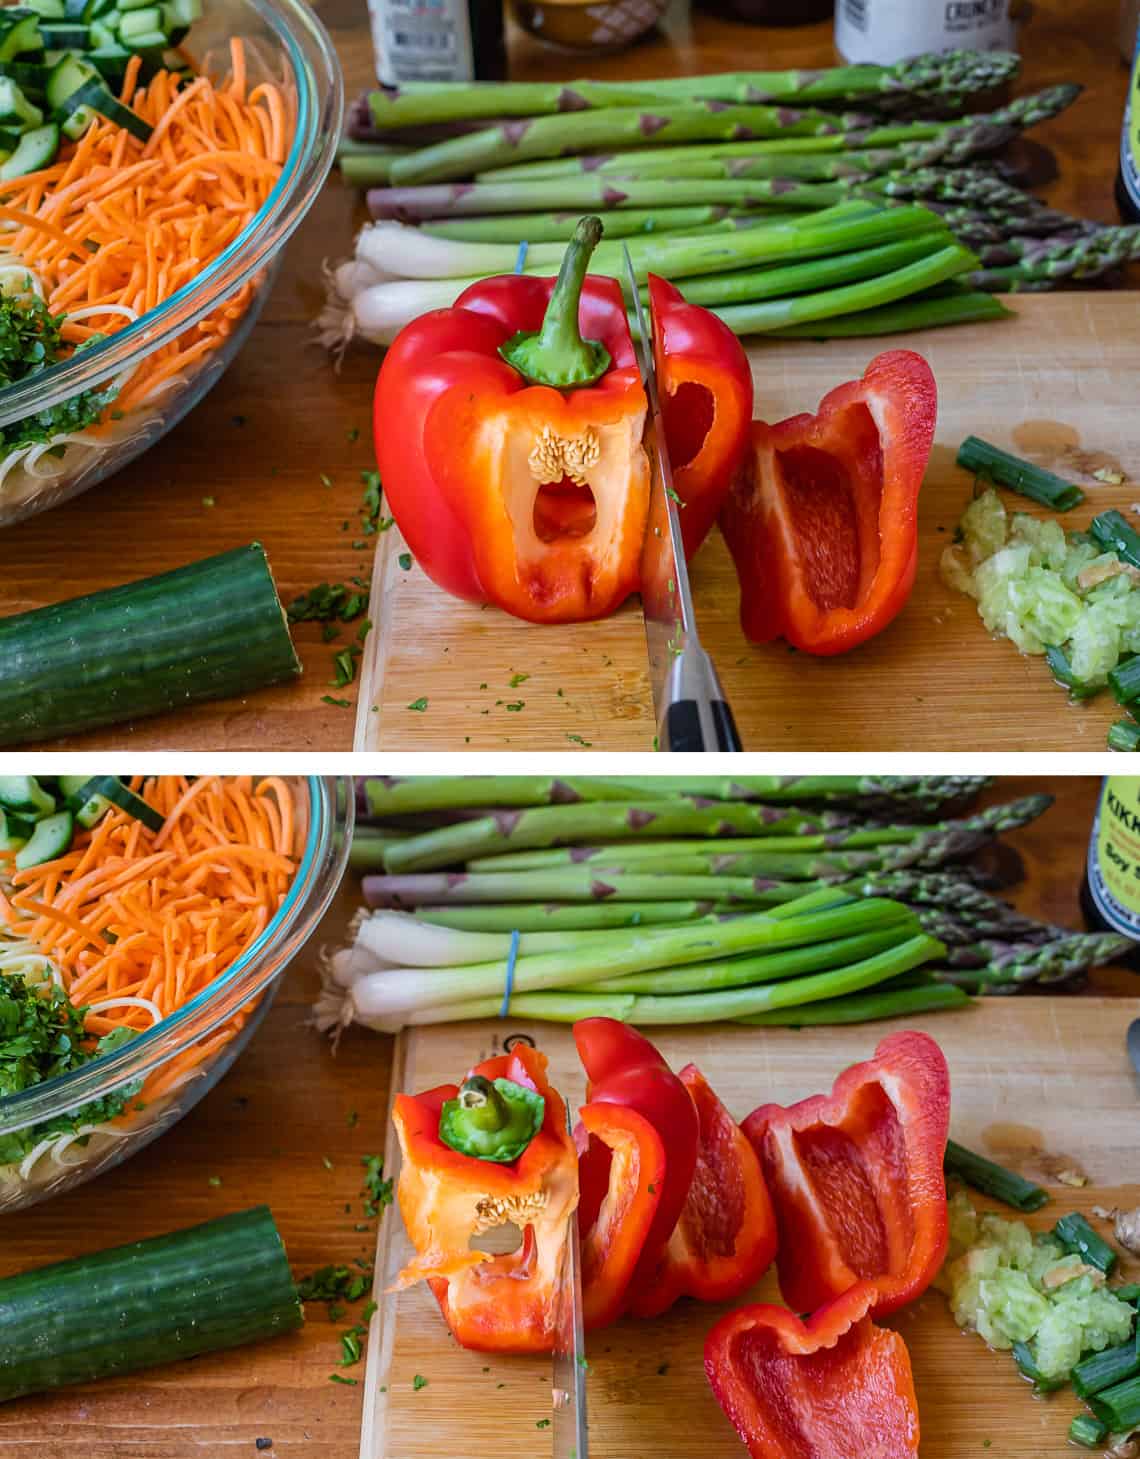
(1023, 477)
(1027, 1366)
(1062, 671)
(1124, 735)
(1119, 1407)
(1087, 1431)
(1076, 1235)
(993, 1179)
(1130, 1292)
(1114, 534)
(1105, 1370)
(1124, 680)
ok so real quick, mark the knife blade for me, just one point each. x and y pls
(692, 712)
(568, 1390)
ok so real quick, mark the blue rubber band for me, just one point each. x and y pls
(509, 986)
(520, 257)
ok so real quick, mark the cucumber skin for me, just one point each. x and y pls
(212, 630)
(208, 1288)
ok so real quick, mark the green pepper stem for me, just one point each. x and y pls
(557, 354)
(483, 1106)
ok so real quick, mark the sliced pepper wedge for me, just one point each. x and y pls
(503, 1303)
(725, 1236)
(706, 402)
(822, 519)
(612, 1237)
(833, 1387)
(856, 1178)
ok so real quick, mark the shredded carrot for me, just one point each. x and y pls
(118, 222)
(127, 911)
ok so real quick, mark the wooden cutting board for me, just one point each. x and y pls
(1040, 1083)
(1057, 384)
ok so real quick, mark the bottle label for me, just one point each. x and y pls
(885, 31)
(421, 40)
(1130, 136)
(1114, 855)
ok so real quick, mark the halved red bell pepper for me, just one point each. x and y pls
(834, 1387)
(493, 1303)
(613, 1238)
(706, 402)
(524, 483)
(725, 1237)
(624, 1069)
(822, 520)
(856, 1178)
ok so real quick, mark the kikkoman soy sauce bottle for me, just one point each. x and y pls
(1110, 893)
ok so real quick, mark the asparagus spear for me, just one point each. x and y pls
(584, 131)
(968, 912)
(559, 227)
(960, 141)
(591, 194)
(382, 796)
(1004, 967)
(561, 916)
(404, 889)
(1049, 261)
(940, 79)
(931, 310)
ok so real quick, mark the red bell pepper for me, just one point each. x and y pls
(492, 1303)
(625, 1070)
(822, 522)
(833, 1387)
(508, 435)
(856, 1178)
(612, 1241)
(706, 402)
(725, 1237)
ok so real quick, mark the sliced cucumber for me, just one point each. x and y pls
(47, 9)
(111, 788)
(64, 35)
(37, 149)
(25, 793)
(110, 61)
(70, 785)
(19, 33)
(50, 838)
(143, 21)
(29, 78)
(15, 108)
(92, 9)
(113, 1313)
(102, 34)
(14, 830)
(68, 74)
(75, 122)
(95, 94)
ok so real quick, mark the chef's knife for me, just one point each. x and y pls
(569, 1382)
(1133, 1042)
(692, 712)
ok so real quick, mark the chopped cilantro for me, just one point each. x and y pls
(673, 497)
(514, 707)
(214, 1180)
(327, 603)
(578, 740)
(352, 435)
(336, 1311)
(328, 1283)
(363, 631)
(367, 1310)
(340, 1378)
(419, 705)
(377, 1190)
(405, 561)
(336, 703)
(419, 1381)
(542, 1423)
(329, 631)
(353, 1119)
(344, 663)
(517, 679)
(326, 481)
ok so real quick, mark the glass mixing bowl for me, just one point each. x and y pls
(284, 43)
(240, 998)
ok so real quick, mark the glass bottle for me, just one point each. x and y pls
(1110, 892)
(438, 40)
(885, 31)
(1128, 170)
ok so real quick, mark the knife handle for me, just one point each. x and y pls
(697, 716)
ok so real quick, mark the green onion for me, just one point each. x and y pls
(1062, 671)
(1124, 680)
(993, 1179)
(1130, 1292)
(1105, 1370)
(1114, 534)
(1124, 735)
(1002, 469)
(561, 916)
(1119, 1407)
(1076, 1235)
(1087, 1431)
(879, 1002)
(1027, 1366)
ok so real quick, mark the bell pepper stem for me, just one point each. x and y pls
(557, 354)
(484, 1108)
(491, 1119)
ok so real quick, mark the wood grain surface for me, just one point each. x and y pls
(265, 1133)
(282, 419)
(1068, 1101)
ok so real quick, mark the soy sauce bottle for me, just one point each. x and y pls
(438, 40)
(1110, 892)
(1128, 173)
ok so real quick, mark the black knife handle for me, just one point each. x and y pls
(697, 717)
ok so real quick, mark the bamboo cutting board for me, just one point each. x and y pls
(1040, 1083)
(1058, 384)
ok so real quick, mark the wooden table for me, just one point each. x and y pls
(260, 444)
(265, 1134)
